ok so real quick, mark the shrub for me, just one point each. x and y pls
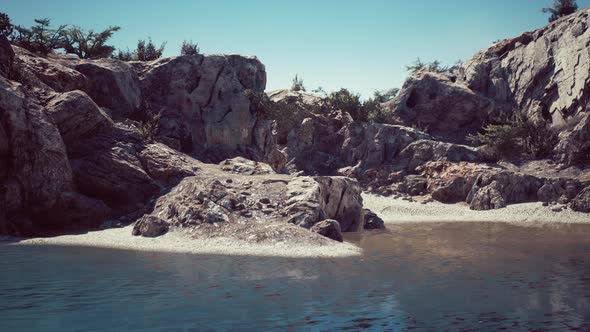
(297, 84)
(40, 38)
(125, 55)
(434, 66)
(189, 48)
(561, 8)
(148, 51)
(88, 45)
(520, 135)
(385, 96)
(6, 27)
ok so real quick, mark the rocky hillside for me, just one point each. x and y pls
(542, 75)
(85, 143)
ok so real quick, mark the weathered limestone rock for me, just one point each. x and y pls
(36, 179)
(46, 74)
(205, 107)
(495, 190)
(372, 220)
(6, 56)
(76, 115)
(420, 152)
(581, 202)
(150, 226)
(112, 84)
(441, 106)
(214, 201)
(296, 108)
(413, 185)
(310, 200)
(328, 228)
(451, 182)
(240, 165)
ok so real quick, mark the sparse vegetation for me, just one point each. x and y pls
(517, 135)
(385, 96)
(434, 66)
(297, 84)
(148, 51)
(189, 48)
(40, 38)
(88, 45)
(6, 27)
(561, 8)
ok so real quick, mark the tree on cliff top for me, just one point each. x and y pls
(189, 48)
(148, 52)
(6, 27)
(561, 8)
(297, 84)
(88, 45)
(40, 38)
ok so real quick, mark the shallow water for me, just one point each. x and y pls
(431, 277)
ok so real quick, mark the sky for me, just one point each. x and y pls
(362, 45)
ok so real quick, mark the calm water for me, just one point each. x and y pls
(454, 277)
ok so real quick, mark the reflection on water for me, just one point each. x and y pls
(412, 277)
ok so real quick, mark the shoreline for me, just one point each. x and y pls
(392, 211)
(399, 211)
(176, 242)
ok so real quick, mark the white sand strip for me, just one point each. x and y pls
(400, 211)
(121, 238)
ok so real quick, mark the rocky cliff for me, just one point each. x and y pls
(85, 143)
(543, 74)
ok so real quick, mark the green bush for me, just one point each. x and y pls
(189, 48)
(88, 45)
(148, 51)
(297, 84)
(434, 67)
(40, 38)
(518, 134)
(6, 27)
(561, 8)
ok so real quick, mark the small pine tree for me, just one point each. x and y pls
(148, 51)
(6, 27)
(561, 8)
(89, 45)
(40, 38)
(189, 48)
(297, 84)
(125, 55)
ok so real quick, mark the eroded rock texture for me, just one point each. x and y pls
(543, 74)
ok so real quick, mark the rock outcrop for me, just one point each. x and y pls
(542, 74)
(221, 203)
(76, 136)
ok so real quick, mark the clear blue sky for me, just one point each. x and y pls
(362, 45)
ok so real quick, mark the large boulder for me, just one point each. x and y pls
(442, 106)
(494, 190)
(310, 200)
(581, 202)
(205, 109)
(37, 192)
(6, 56)
(76, 115)
(46, 74)
(420, 152)
(112, 84)
(328, 228)
(231, 204)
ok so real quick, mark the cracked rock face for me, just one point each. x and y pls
(205, 108)
(545, 74)
(73, 153)
(220, 204)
